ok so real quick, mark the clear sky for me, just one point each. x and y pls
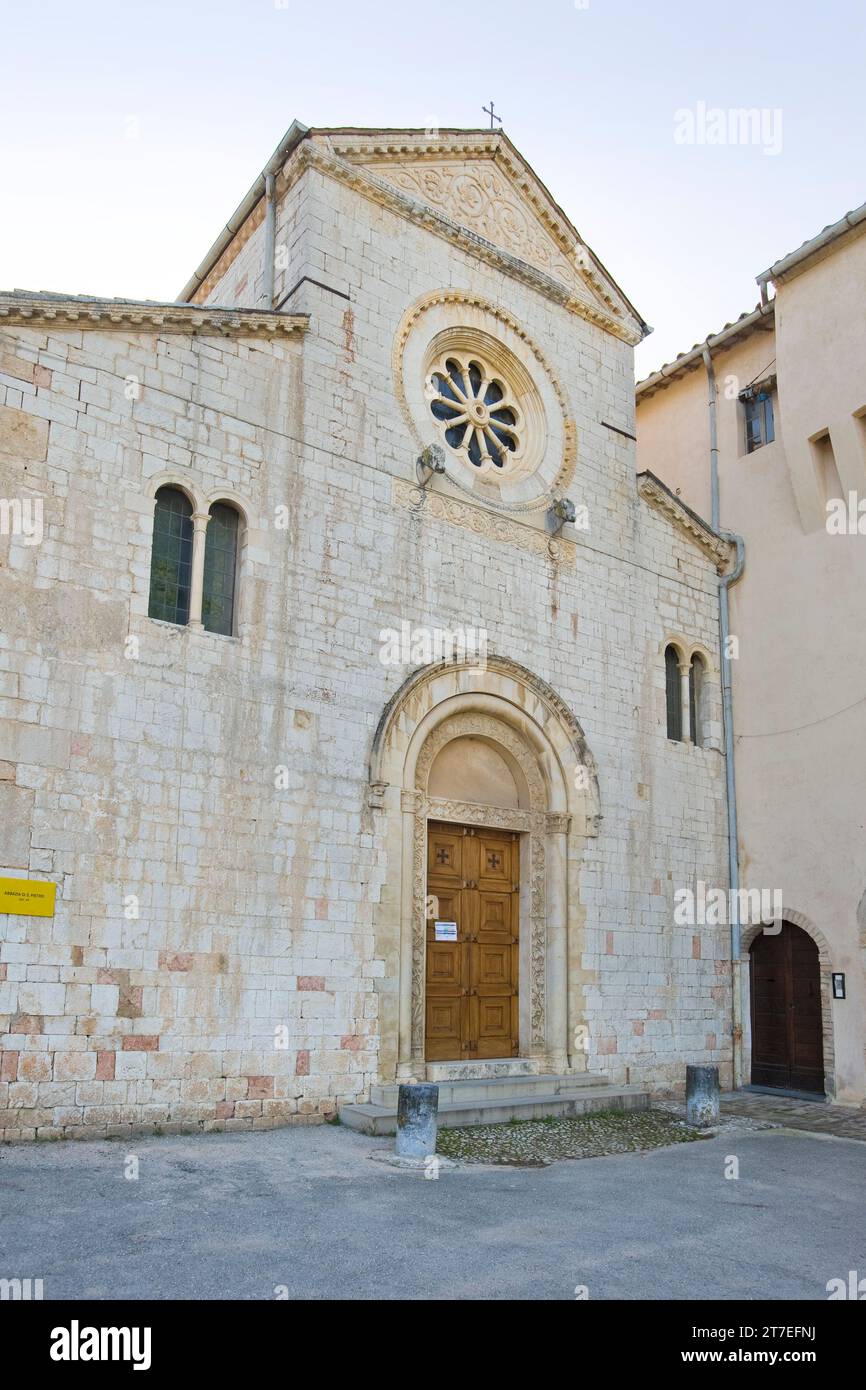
(130, 131)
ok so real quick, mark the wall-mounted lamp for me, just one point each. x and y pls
(431, 461)
(562, 511)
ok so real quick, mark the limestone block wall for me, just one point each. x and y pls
(201, 801)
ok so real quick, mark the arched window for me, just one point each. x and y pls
(697, 671)
(220, 569)
(673, 688)
(171, 556)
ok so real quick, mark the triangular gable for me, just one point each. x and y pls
(478, 181)
(478, 195)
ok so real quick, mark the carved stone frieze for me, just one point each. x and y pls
(469, 813)
(484, 523)
(480, 197)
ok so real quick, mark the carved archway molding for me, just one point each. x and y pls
(519, 688)
(825, 967)
(507, 706)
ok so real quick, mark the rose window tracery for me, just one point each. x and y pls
(476, 411)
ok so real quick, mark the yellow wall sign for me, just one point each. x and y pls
(27, 897)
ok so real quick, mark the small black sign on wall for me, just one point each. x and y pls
(838, 986)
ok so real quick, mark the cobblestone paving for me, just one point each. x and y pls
(733, 1121)
(843, 1121)
(536, 1143)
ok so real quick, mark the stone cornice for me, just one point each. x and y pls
(106, 314)
(653, 491)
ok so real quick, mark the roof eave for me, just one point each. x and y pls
(692, 359)
(797, 259)
(290, 141)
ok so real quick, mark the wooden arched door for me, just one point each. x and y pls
(787, 1033)
(473, 876)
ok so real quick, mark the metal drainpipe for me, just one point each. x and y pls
(267, 298)
(725, 583)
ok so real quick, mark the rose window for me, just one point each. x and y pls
(476, 411)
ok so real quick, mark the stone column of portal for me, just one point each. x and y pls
(199, 533)
(685, 703)
(557, 944)
(406, 1064)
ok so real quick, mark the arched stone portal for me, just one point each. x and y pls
(537, 780)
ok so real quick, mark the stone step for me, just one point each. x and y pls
(494, 1087)
(382, 1120)
(489, 1067)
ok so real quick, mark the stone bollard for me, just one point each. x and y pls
(702, 1096)
(417, 1107)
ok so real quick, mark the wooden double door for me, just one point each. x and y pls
(473, 881)
(787, 1032)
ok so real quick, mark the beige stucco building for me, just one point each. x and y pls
(790, 381)
(343, 739)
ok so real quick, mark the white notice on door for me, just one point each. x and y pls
(445, 931)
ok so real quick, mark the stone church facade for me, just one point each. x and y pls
(282, 704)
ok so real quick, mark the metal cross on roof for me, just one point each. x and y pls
(492, 114)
